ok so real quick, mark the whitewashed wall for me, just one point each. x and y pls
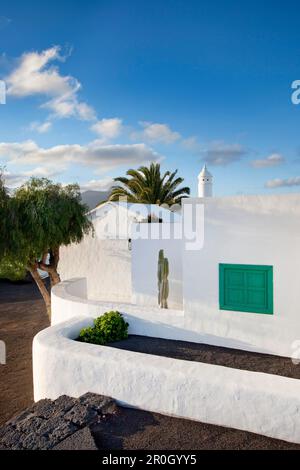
(147, 240)
(246, 230)
(240, 229)
(104, 259)
(105, 263)
(252, 401)
(69, 300)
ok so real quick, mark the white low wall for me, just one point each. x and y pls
(250, 401)
(69, 300)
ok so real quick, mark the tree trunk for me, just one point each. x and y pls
(42, 288)
(51, 268)
(54, 276)
(55, 279)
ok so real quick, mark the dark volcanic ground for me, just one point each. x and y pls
(227, 357)
(22, 315)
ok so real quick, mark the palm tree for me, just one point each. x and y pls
(146, 185)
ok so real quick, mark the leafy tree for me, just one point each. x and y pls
(4, 215)
(46, 216)
(148, 186)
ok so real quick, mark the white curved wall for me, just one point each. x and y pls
(106, 264)
(69, 300)
(251, 401)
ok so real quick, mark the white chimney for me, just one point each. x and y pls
(205, 181)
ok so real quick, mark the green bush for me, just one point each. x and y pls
(108, 328)
(12, 270)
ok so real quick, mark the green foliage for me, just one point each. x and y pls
(35, 221)
(148, 186)
(12, 270)
(4, 215)
(108, 328)
(48, 215)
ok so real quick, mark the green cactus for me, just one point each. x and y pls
(163, 283)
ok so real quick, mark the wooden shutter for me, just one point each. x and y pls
(246, 288)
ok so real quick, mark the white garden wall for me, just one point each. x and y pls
(147, 240)
(251, 401)
(104, 262)
(256, 230)
(69, 300)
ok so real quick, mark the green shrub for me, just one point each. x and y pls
(12, 270)
(108, 328)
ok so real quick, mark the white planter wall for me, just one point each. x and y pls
(250, 401)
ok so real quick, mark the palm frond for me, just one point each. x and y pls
(148, 186)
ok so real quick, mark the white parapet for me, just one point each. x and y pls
(251, 401)
(69, 300)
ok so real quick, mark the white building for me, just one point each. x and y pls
(234, 264)
(104, 258)
(233, 279)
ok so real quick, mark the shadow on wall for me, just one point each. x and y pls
(139, 326)
(120, 253)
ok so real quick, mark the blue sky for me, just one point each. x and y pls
(96, 87)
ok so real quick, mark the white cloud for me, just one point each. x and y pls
(14, 180)
(68, 106)
(155, 132)
(97, 185)
(272, 160)
(85, 112)
(281, 182)
(191, 143)
(35, 74)
(41, 128)
(101, 157)
(108, 129)
(222, 154)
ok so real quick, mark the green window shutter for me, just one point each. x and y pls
(246, 288)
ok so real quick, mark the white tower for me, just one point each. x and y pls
(205, 181)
